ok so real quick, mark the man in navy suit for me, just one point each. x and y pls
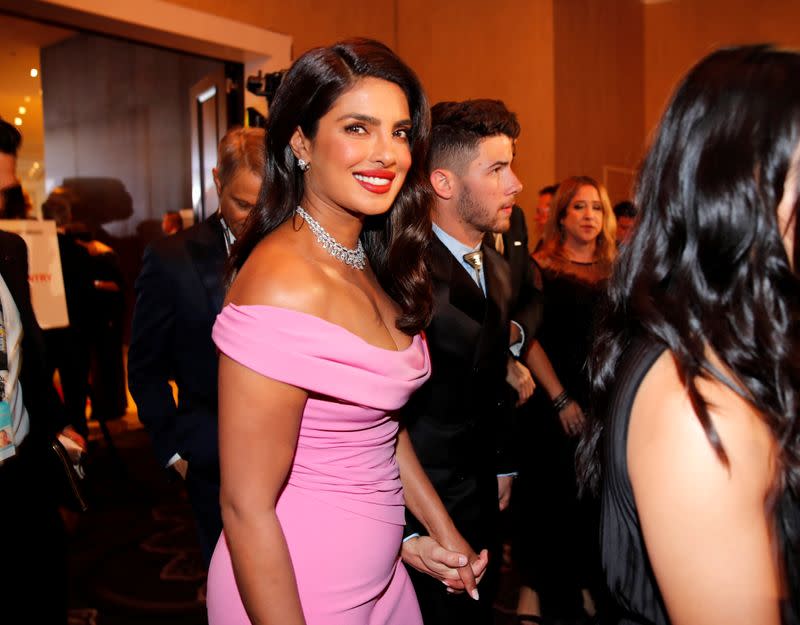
(179, 293)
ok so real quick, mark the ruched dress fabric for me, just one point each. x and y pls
(342, 510)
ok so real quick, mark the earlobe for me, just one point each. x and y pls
(299, 144)
(442, 183)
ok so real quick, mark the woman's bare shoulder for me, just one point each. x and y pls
(693, 506)
(663, 415)
(277, 273)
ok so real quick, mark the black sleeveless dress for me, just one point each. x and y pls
(628, 572)
(555, 547)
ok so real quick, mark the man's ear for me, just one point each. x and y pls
(300, 145)
(443, 183)
(217, 181)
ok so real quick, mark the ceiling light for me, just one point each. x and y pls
(27, 98)
(18, 121)
(34, 72)
(22, 110)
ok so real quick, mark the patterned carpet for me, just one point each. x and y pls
(133, 556)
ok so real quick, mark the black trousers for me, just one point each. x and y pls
(33, 562)
(203, 494)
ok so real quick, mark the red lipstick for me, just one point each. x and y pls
(375, 180)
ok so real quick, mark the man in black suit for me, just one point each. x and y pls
(526, 301)
(179, 293)
(33, 566)
(459, 421)
(32, 538)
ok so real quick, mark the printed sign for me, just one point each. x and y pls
(44, 270)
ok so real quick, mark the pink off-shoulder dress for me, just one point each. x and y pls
(342, 509)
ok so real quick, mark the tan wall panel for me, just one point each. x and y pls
(310, 23)
(501, 49)
(460, 49)
(680, 33)
(599, 66)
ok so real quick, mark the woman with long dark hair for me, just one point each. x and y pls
(695, 369)
(321, 345)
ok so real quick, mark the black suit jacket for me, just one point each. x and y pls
(526, 298)
(45, 411)
(458, 420)
(179, 293)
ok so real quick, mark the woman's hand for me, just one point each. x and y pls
(472, 573)
(450, 567)
(572, 418)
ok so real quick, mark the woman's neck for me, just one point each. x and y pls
(341, 224)
(579, 251)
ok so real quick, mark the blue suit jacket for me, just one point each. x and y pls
(179, 293)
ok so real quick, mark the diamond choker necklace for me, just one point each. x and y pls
(355, 258)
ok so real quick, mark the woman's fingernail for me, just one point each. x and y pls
(462, 561)
(474, 594)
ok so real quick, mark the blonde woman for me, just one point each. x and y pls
(554, 543)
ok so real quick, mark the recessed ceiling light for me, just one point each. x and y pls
(18, 121)
(22, 110)
(34, 72)
(27, 98)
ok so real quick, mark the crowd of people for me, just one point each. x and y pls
(376, 357)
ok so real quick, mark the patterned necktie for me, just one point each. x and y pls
(475, 260)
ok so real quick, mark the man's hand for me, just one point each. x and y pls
(572, 419)
(504, 490)
(519, 377)
(181, 466)
(76, 438)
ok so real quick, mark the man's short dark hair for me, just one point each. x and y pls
(458, 128)
(10, 138)
(625, 209)
(551, 190)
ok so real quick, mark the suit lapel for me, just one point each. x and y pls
(208, 255)
(464, 293)
(498, 295)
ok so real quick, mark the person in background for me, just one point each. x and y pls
(172, 223)
(179, 293)
(34, 554)
(554, 545)
(69, 348)
(695, 444)
(540, 215)
(12, 198)
(625, 212)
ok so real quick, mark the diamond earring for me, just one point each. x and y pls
(304, 167)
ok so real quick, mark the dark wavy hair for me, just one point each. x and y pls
(395, 242)
(458, 128)
(707, 266)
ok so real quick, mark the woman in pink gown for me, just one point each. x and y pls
(320, 346)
